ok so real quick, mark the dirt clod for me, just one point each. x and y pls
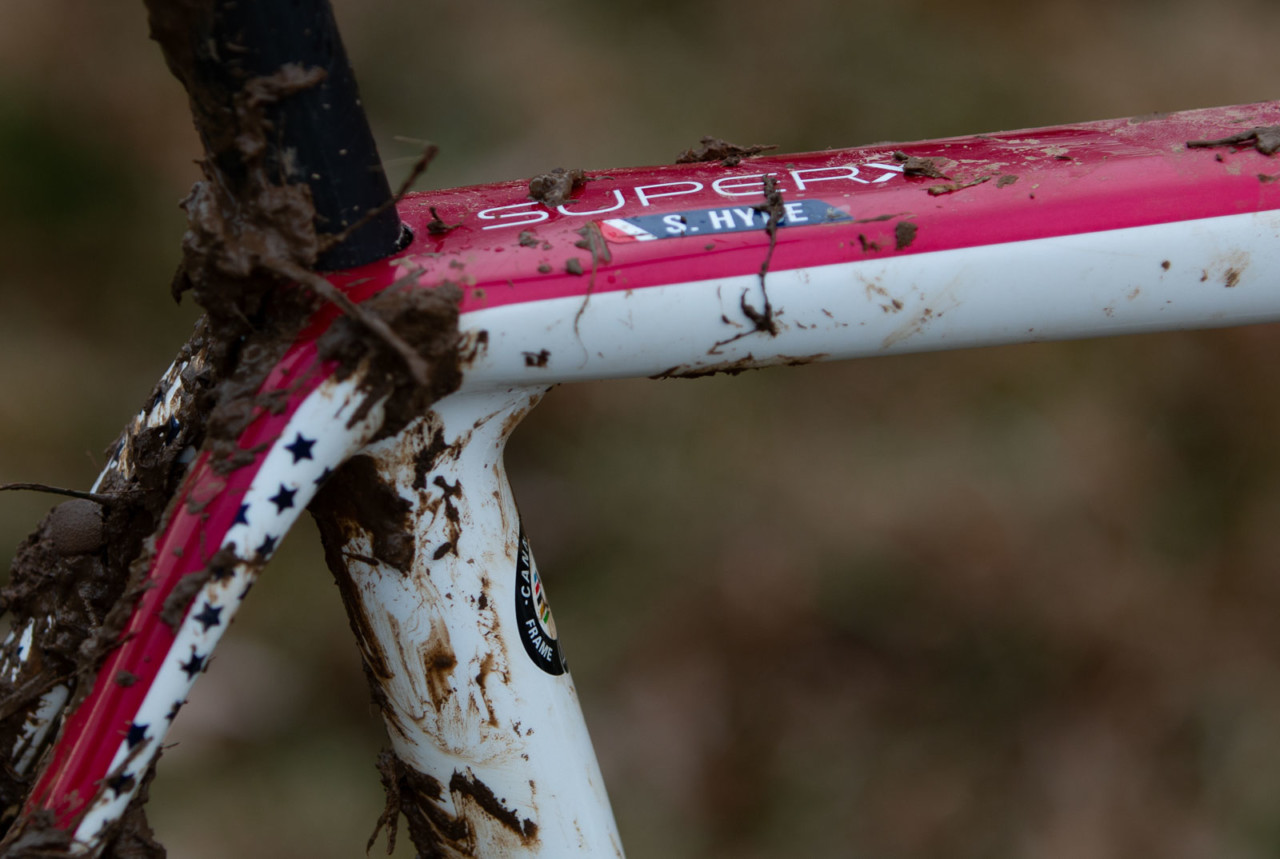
(77, 527)
(904, 234)
(919, 166)
(715, 149)
(557, 186)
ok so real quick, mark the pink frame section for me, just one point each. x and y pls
(506, 250)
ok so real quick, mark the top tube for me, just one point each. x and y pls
(698, 221)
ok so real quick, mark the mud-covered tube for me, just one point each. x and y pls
(318, 135)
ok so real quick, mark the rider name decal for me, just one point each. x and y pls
(722, 219)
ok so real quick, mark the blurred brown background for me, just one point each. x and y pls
(1008, 603)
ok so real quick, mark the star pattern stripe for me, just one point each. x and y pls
(285, 480)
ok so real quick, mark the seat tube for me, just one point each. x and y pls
(491, 752)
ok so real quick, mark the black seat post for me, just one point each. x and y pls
(318, 135)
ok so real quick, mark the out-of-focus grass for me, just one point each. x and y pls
(1013, 602)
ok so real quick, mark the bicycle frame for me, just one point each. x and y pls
(1085, 230)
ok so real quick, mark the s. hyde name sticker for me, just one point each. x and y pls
(533, 614)
(723, 219)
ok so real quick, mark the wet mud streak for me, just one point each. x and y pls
(715, 149)
(436, 832)
(762, 318)
(417, 796)
(557, 186)
(1266, 139)
(593, 242)
(356, 501)
(451, 515)
(483, 796)
(425, 462)
(340, 518)
(773, 208)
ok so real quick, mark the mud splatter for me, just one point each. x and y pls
(433, 829)
(1265, 139)
(904, 234)
(356, 501)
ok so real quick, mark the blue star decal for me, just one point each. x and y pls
(209, 616)
(301, 448)
(283, 499)
(194, 665)
(137, 733)
(121, 783)
(242, 515)
(268, 546)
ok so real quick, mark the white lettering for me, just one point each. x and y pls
(795, 213)
(809, 175)
(524, 218)
(535, 638)
(747, 216)
(893, 170)
(617, 196)
(524, 592)
(643, 195)
(750, 185)
(675, 224)
(721, 220)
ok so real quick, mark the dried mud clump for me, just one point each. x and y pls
(715, 149)
(556, 187)
(426, 318)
